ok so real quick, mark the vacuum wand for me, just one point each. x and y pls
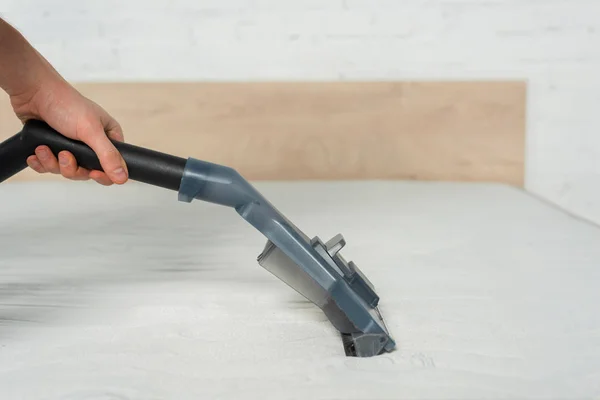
(315, 269)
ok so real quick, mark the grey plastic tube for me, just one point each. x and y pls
(314, 269)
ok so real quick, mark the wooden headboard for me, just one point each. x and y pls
(459, 131)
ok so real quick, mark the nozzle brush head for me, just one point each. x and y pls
(339, 288)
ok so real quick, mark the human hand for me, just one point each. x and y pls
(69, 112)
(37, 91)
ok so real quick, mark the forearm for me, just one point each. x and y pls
(22, 68)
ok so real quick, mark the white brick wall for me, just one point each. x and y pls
(555, 44)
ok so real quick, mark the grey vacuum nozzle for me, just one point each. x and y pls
(349, 298)
(314, 269)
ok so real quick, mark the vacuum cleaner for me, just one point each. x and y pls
(312, 267)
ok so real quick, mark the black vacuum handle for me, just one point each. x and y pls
(144, 165)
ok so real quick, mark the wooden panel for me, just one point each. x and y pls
(460, 131)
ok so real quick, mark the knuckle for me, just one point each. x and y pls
(88, 127)
(117, 132)
(118, 128)
(67, 172)
(110, 154)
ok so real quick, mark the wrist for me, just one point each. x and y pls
(32, 101)
(22, 69)
(38, 76)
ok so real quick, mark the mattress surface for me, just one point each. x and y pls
(126, 293)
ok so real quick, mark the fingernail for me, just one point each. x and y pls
(43, 154)
(120, 173)
(63, 160)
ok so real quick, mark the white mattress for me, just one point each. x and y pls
(126, 293)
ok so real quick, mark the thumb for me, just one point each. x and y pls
(93, 134)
